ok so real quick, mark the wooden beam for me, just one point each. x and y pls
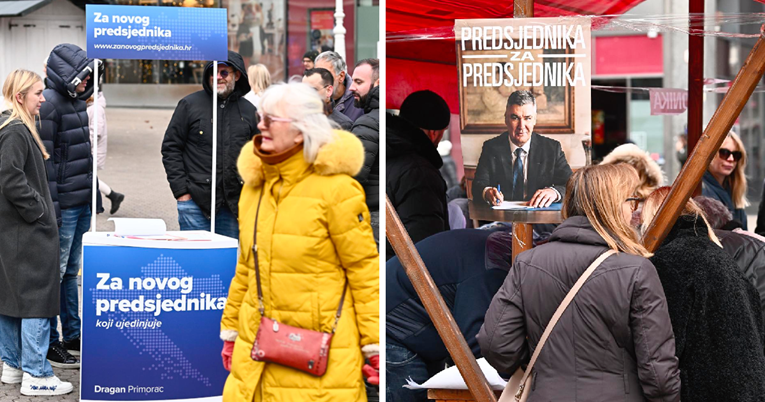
(435, 306)
(718, 128)
(523, 8)
(695, 76)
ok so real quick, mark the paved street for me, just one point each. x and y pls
(134, 168)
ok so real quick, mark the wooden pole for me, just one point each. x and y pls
(695, 77)
(718, 128)
(435, 306)
(523, 8)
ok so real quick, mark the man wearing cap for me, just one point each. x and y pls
(519, 164)
(187, 148)
(413, 183)
(308, 59)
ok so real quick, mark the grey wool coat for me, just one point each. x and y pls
(613, 343)
(29, 247)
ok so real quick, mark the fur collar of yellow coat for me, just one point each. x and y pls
(344, 154)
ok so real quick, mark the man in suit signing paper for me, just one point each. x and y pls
(526, 165)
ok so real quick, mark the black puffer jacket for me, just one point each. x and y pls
(413, 182)
(749, 254)
(715, 315)
(367, 129)
(187, 147)
(64, 130)
(614, 342)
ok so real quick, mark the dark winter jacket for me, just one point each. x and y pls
(749, 254)
(29, 264)
(711, 188)
(342, 120)
(413, 183)
(63, 126)
(345, 104)
(468, 267)
(613, 343)
(715, 316)
(367, 128)
(187, 147)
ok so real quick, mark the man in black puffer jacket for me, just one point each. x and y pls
(187, 149)
(64, 131)
(365, 90)
(413, 183)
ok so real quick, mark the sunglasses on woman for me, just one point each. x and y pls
(267, 119)
(726, 153)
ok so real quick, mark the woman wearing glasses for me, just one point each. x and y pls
(725, 180)
(315, 254)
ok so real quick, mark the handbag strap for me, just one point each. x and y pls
(558, 313)
(262, 306)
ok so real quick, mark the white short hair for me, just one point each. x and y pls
(302, 104)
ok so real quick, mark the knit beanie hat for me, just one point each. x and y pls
(426, 110)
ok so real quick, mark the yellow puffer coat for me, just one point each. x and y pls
(313, 232)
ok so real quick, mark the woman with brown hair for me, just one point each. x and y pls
(29, 290)
(614, 341)
(715, 312)
(725, 179)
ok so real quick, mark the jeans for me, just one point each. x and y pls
(74, 223)
(24, 344)
(190, 217)
(400, 364)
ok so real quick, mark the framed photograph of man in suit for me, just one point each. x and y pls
(524, 106)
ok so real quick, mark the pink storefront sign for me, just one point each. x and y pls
(668, 101)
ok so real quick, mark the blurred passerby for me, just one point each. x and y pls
(321, 80)
(29, 291)
(318, 248)
(342, 98)
(725, 179)
(187, 148)
(715, 311)
(649, 172)
(614, 341)
(260, 80)
(468, 267)
(308, 59)
(413, 183)
(100, 108)
(64, 130)
(366, 94)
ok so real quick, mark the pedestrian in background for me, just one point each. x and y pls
(260, 80)
(725, 179)
(614, 341)
(322, 81)
(342, 98)
(100, 108)
(29, 264)
(315, 251)
(715, 311)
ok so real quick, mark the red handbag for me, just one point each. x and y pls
(302, 349)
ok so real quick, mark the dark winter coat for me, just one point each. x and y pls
(346, 104)
(715, 315)
(63, 127)
(342, 120)
(613, 343)
(711, 188)
(547, 166)
(468, 267)
(749, 254)
(187, 147)
(29, 264)
(413, 183)
(367, 128)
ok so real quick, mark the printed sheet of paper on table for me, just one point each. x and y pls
(452, 379)
(524, 206)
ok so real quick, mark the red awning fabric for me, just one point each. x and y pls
(421, 53)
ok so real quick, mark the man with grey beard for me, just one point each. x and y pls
(187, 148)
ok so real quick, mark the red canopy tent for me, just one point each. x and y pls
(421, 53)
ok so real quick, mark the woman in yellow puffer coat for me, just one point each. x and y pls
(313, 233)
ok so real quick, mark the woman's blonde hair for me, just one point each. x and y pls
(259, 78)
(648, 170)
(653, 202)
(302, 104)
(21, 82)
(598, 192)
(737, 178)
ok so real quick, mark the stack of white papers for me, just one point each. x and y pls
(452, 379)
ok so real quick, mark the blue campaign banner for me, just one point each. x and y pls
(156, 33)
(151, 322)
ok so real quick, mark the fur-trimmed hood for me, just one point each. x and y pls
(343, 155)
(650, 173)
